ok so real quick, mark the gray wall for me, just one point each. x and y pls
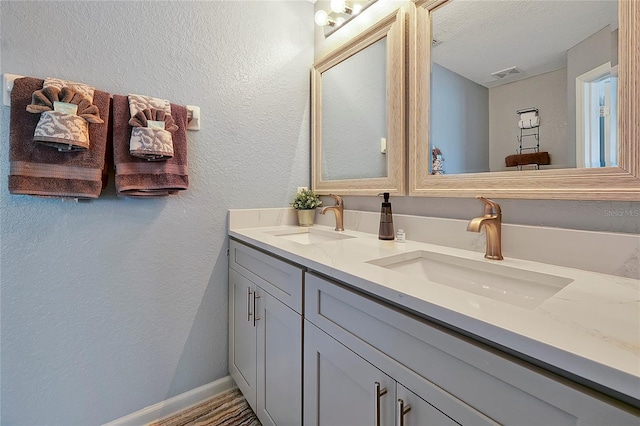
(596, 50)
(547, 92)
(113, 305)
(459, 121)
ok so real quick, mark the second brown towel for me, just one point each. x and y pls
(137, 177)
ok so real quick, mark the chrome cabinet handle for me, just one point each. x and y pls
(402, 410)
(379, 392)
(249, 314)
(255, 313)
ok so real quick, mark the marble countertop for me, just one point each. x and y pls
(590, 328)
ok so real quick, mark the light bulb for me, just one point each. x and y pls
(340, 21)
(338, 6)
(357, 8)
(322, 18)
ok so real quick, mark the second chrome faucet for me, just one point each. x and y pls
(492, 222)
(338, 210)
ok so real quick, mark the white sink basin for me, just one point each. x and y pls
(523, 288)
(310, 235)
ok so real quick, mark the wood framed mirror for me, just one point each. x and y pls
(620, 181)
(358, 113)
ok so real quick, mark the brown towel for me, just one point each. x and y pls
(539, 158)
(42, 171)
(137, 177)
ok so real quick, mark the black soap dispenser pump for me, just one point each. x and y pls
(386, 219)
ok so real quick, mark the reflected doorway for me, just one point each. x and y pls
(596, 117)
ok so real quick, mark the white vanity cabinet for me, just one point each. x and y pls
(368, 362)
(265, 333)
(442, 375)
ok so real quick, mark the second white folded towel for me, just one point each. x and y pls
(152, 126)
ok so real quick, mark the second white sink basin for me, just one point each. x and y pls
(310, 235)
(520, 287)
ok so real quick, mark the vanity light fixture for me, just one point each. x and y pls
(340, 6)
(322, 19)
(340, 14)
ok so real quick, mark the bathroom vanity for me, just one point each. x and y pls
(330, 328)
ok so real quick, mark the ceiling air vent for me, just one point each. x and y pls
(506, 72)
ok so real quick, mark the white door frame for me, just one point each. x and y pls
(584, 125)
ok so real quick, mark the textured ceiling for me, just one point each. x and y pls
(480, 37)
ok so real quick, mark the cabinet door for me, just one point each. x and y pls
(417, 411)
(279, 375)
(242, 336)
(340, 388)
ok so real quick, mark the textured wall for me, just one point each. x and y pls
(112, 305)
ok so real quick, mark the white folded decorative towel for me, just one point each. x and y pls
(65, 108)
(152, 126)
(63, 131)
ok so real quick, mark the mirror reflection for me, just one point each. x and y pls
(354, 116)
(358, 127)
(523, 85)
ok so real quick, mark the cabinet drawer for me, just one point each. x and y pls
(281, 279)
(470, 382)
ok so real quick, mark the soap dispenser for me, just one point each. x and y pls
(386, 219)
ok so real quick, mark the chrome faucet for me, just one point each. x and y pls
(338, 210)
(492, 221)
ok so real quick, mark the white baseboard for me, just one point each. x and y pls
(175, 404)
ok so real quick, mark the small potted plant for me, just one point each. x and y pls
(305, 203)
